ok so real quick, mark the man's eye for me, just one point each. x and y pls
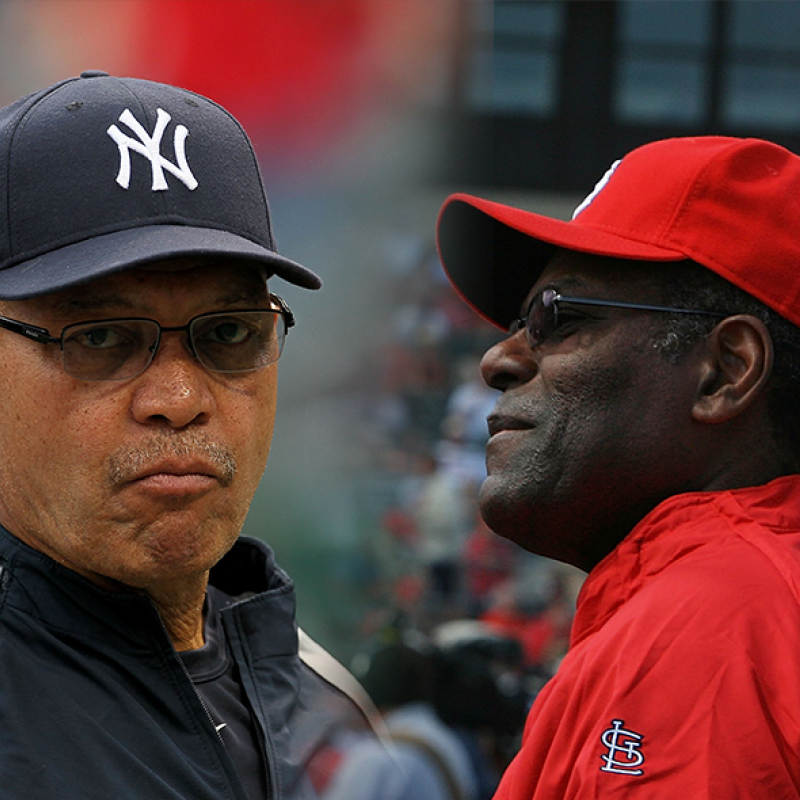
(101, 337)
(566, 317)
(229, 331)
(568, 320)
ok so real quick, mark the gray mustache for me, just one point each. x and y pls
(124, 465)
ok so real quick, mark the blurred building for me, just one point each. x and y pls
(550, 92)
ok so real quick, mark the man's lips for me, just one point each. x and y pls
(176, 477)
(503, 423)
(505, 432)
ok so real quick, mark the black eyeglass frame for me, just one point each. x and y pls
(43, 335)
(554, 298)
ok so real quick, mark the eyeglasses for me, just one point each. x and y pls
(542, 319)
(117, 349)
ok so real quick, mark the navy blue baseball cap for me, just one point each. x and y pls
(99, 174)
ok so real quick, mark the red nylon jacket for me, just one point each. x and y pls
(683, 675)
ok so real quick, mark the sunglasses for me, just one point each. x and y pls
(118, 349)
(542, 318)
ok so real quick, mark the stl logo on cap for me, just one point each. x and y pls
(598, 188)
(150, 147)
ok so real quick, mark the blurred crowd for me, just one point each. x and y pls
(489, 621)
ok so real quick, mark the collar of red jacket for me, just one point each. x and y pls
(767, 517)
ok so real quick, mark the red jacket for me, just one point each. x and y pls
(683, 674)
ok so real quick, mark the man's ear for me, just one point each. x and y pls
(737, 365)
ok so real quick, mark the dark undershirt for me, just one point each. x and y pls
(216, 678)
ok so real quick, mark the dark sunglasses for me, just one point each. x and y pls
(542, 318)
(118, 349)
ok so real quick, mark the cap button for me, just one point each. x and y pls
(94, 73)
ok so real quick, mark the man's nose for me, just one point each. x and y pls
(509, 362)
(175, 389)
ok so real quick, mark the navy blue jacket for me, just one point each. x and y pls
(95, 704)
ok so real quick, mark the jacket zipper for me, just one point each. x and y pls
(200, 698)
(197, 694)
(259, 733)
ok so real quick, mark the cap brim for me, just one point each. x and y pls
(493, 253)
(102, 255)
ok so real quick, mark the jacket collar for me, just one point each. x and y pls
(673, 530)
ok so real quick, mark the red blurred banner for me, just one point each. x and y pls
(299, 74)
(294, 72)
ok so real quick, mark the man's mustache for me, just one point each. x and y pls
(128, 463)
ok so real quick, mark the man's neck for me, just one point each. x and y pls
(181, 611)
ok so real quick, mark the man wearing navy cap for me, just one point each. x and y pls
(146, 651)
(648, 432)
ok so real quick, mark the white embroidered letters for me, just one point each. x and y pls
(623, 756)
(150, 148)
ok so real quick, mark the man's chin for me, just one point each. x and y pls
(169, 552)
(520, 517)
(501, 515)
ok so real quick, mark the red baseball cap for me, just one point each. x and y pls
(730, 204)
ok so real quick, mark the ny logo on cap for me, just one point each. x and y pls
(150, 148)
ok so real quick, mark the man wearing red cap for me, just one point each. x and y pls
(648, 433)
